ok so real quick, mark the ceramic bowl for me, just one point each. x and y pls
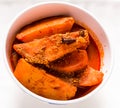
(48, 9)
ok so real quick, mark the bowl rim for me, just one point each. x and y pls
(51, 101)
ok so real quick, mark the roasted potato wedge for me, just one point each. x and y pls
(45, 27)
(89, 77)
(48, 49)
(42, 83)
(71, 63)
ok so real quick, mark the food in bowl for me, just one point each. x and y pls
(53, 58)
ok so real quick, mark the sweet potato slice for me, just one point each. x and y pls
(71, 63)
(42, 83)
(45, 27)
(89, 77)
(48, 49)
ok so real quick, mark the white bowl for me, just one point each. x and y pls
(43, 10)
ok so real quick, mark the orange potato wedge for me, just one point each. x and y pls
(45, 27)
(48, 49)
(91, 77)
(42, 83)
(71, 63)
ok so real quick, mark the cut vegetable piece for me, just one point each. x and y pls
(45, 27)
(71, 63)
(42, 83)
(48, 49)
(89, 77)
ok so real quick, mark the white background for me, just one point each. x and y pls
(108, 14)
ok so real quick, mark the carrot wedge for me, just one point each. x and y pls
(45, 27)
(42, 83)
(48, 49)
(71, 63)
